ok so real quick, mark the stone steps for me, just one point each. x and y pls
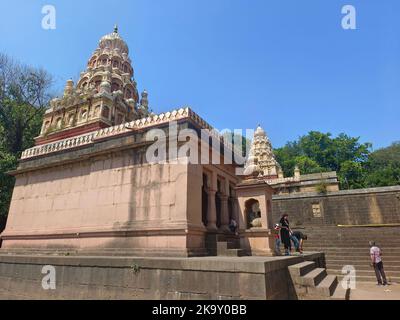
(224, 245)
(355, 250)
(313, 283)
(363, 267)
(349, 242)
(352, 253)
(364, 272)
(366, 277)
(313, 278)
(349, 246)
(326, 288)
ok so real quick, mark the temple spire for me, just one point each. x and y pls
(115, 28)
(262, 150)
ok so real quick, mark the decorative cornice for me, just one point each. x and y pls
(89, 138)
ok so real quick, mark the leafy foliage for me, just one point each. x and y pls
(383, 167)
(24, 97)
(356, 165)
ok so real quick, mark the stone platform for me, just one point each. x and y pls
(214, 278)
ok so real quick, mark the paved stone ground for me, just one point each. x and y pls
(370, 291)
(364, 291)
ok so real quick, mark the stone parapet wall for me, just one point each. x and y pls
(348, 207)
(151, 278)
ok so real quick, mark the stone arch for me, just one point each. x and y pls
(59, 123)
(83, 82)
(96, 111)
(116, 62)
(106, 112)
(71, 118)
(102, 60)
(116, 85)
(46, 126)
(84, 114)
(96, 81)
(92, 62)
(252, 213)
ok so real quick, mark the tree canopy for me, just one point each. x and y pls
(24, 97)
(357, 166)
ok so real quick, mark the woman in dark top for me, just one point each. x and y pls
(285, 234)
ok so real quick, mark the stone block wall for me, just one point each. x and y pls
(105, 196)
(150, 278)
(353, 207)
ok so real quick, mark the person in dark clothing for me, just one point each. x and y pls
(300, 236)
(285, 234)
(233, 226)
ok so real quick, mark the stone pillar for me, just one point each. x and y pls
(212, 211)
(224, 213)
(236, 214)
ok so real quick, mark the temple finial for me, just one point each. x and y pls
(115, 28)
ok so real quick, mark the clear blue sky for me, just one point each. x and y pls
(286, 64)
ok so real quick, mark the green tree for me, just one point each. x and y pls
(287, 155)
(383, 167)
(320, 152)
(7, 162)
(308, 165)
(24, 96)
(351, 175)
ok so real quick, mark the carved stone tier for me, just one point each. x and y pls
(105, 95)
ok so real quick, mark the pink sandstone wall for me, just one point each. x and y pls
(108, 203)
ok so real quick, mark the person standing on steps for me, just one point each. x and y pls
(285, 234)
(377, 264)
(277, 235)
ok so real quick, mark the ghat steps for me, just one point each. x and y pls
(312, 283)
(349, 246)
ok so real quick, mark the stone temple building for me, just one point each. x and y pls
(271, 171)
(88, 190)
(89, 187)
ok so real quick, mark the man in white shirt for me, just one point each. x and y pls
(376, 262)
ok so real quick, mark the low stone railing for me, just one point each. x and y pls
(283, 180)
(58, 146)
(85, 139)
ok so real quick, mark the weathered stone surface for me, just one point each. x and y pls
(353, 207)
(142, 278)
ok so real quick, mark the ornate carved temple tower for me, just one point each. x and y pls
(261, 149)
(262, 163)
(105, 95)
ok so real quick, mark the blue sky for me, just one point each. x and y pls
(285, 64)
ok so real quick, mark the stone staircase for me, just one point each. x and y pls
(224, 245)
(312, 283)
(349, 246)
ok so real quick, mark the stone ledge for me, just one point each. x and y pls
(258, 265)
(338, 193)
